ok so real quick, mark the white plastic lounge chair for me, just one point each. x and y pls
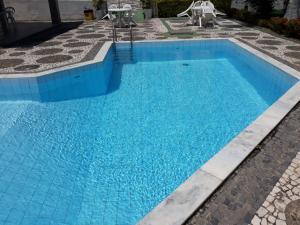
(185, 13)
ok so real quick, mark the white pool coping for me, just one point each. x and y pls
(192, 193)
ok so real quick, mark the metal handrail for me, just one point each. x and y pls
(131, 35)
(115, 38)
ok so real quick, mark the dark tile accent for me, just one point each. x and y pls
(294, 48)
(295, 55)
(292, 213)
(76, 44)
(27, 67)
(17, 53)
(54, 59)
(47, 51)
(90, 36)
(269, 42)
(270, 47)
(6, 63)
(249, 38)
(75, 51)
(50, 43)
(247, 34)
(85, 31)
(72, 40)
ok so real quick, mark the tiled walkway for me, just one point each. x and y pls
(245, 198)
(83, 43)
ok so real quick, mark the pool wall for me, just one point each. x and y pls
(76, 81)
(70, 82)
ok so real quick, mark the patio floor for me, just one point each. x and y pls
(265, 189)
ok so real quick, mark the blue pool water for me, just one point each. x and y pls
(106, 146)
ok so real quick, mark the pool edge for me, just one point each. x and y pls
(176, 208)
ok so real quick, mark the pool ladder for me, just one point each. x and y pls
(115, 36)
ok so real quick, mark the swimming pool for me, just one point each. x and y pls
(106, 143)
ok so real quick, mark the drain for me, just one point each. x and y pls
(185, 64)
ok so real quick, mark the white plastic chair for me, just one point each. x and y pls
(197, 4)
(208, 12)
(128, 16)
(185, 13)
(110, 15)
(195, 14)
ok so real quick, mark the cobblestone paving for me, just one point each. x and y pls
(275, 209)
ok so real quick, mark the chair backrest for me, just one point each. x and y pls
(208, 4)
(197, 4)
(127, 6)
(113, 6)
(10, 10)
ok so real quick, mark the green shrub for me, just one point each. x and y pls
(222, 5)
(278, 24)
(248, 17)
(170, 8)
(290, 28)
(263, 8)
(293, 28)
(277, 13)
(263, 23)
(234, 13)
(146, 4)
(243, 15)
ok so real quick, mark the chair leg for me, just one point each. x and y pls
(200, 21)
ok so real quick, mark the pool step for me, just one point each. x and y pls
(124, 56)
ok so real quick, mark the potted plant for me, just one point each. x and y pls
(147, 8)
(88, 14)
(100, 8)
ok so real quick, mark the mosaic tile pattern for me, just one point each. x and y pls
(282, 204)
(71, 47)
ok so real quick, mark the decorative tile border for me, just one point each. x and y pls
(179, 205)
